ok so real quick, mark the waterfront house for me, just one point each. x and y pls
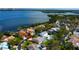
(22, 33)
(27, 34)
(31, 31)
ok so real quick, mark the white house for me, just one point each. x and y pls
(4, 46)
(45, 35)
(58, 23)
(55, 29)
(67, 28)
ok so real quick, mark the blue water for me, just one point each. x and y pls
(11, 19)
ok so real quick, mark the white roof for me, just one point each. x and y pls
(44, 33)
(55, 28)
(4, 45)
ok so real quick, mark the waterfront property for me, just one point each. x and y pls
(39, 30)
